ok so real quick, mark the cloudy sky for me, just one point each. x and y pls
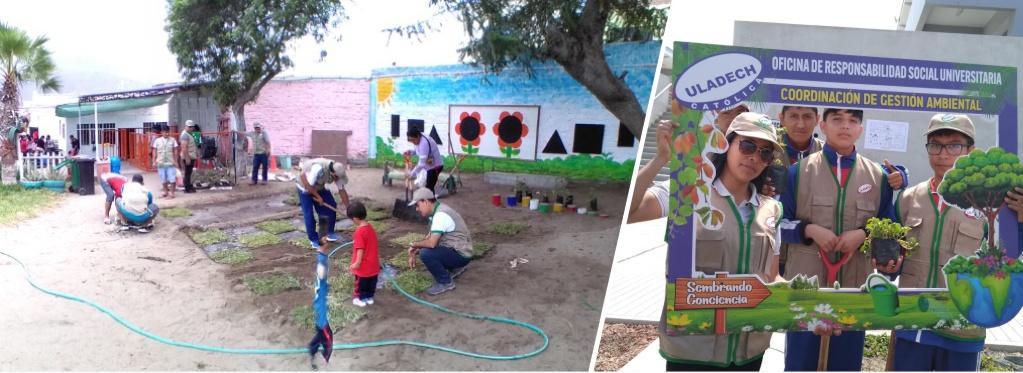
(110, 45)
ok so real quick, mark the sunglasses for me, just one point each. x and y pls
(748, 147)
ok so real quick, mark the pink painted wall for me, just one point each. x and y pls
(291, 109)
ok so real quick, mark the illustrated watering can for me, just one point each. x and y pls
(886, 297)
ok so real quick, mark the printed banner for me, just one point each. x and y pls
(899, 97)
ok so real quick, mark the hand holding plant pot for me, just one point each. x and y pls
(887, 243)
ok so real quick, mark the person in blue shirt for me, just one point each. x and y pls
(830, 195)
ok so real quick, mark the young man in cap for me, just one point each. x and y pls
(165, 158)
(958, 232)
(312, 188)
(189, 154)
(727, 115)
(447, 249)
(260, 151)
(430, 159)
(830, 195)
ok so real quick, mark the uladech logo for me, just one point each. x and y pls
(718, 81)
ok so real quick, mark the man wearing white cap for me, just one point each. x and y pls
(260, 151)
(189, 153)
(447, 249)
(312, 188)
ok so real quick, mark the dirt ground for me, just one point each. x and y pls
(162, 283)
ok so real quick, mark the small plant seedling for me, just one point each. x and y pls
(259, 239)
(231, 256)
(276, 226)
(209, 237)
(886, 229)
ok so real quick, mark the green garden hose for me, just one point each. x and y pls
(349, 346)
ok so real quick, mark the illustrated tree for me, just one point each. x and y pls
(572, 33)
(23, 60)
(980, 181)
(237, 47)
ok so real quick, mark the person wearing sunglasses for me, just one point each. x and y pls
(738, 173)
(830, 195)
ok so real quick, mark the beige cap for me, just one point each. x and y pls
(743, 104)
(189, 123)
(342, 177)
(257, 125)
(955, 122)
(421, 194)
(758, 126)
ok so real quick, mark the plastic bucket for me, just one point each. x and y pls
(544, 207)
(534, 204)
(512, 201)
(496, 200)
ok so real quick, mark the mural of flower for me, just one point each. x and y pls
(705, 325)
(767, 328)
(799, 316)
(470, 130)
(747, 328)
(841, 310)
(510, 131)
(796, 309)
(867, 324)
(824, 309)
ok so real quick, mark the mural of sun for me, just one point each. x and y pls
(385, 91)
(470, 130)
(510, 131)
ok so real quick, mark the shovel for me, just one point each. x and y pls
(831, 272)
(401, 208)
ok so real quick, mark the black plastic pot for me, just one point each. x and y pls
(518, 197)
(593, 204)
(885, 250)
(778, 175)
(569, 200)
(559, 199)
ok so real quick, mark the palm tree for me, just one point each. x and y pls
(22, 60)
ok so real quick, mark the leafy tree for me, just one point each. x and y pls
(22, 60)
(237, 47)
(571, 33)
(980, 181)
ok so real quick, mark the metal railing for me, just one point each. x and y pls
(38, 162)
(214, 151)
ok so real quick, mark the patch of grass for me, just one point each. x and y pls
(400, 260)
(292, 198)
(231, 256)
(259, 239)
(413, 281)
(988, 363)
(271, 284)
(876, 345)
(480, 248)
(210, 237)
(276, 226)
(376, 215)
(301, 242)
(403, 242)
(342, 286)
(339, 314)
(507, 228)
(18, 203)
(175, 212)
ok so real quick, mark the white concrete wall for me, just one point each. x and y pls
(977, 49)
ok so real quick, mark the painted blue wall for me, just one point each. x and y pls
(425, 93)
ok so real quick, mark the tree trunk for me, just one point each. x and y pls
(580, 51)
(241, 160)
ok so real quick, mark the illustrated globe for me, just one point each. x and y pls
(987, 301)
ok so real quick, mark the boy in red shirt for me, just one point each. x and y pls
(365, 259)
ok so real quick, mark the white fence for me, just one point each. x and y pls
(39, 162)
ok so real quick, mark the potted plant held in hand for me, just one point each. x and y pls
(887, 241)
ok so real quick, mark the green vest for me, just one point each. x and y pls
(820, 200)
(941, 236)
(258, 142)
(459, 239)
(746, 248)
(324, 177)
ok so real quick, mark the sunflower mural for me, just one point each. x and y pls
(470, 130)
(385, 92)
(510, 131)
